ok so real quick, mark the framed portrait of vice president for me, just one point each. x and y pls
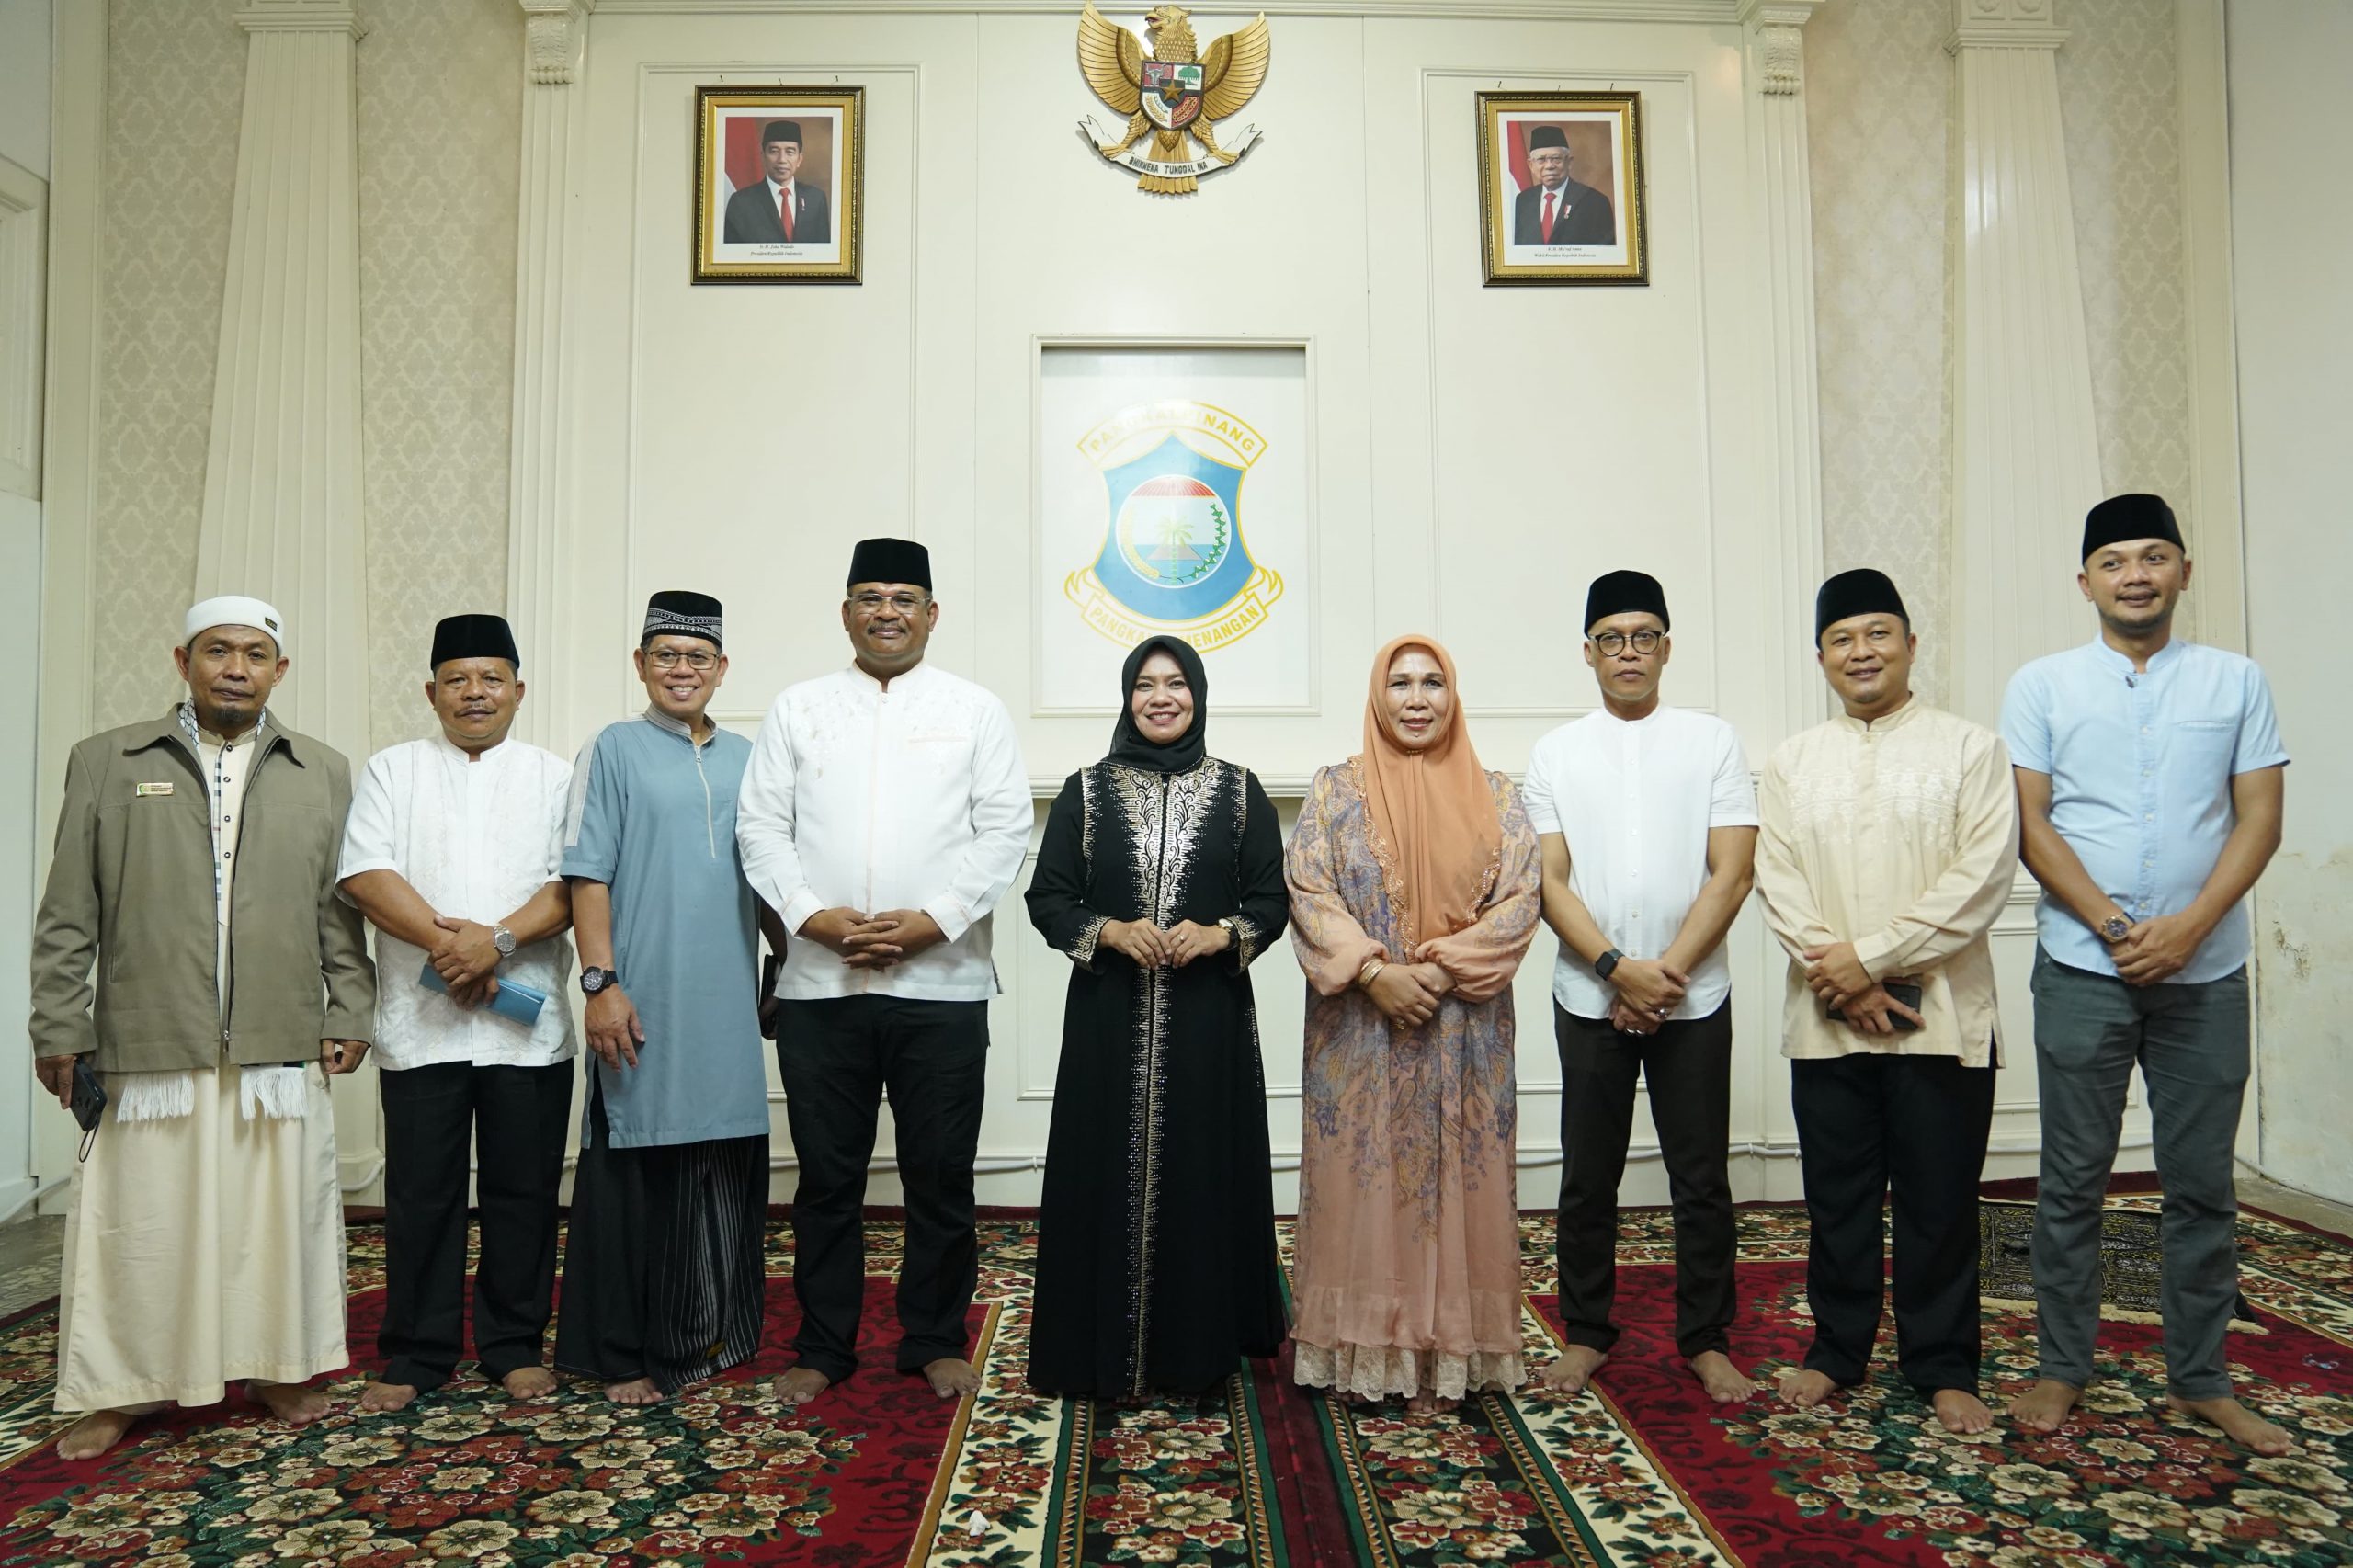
(778, 184)
(1560, 196)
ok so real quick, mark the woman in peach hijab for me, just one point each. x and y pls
(1414, 891)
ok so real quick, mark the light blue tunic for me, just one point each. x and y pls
(653, 818)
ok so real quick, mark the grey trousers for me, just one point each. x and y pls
(2191, 1044)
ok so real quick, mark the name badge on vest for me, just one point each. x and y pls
(146, 790)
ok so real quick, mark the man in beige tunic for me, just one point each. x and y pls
(1887, 844)
(190, 945)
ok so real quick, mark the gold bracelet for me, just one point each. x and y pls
(1370, 971)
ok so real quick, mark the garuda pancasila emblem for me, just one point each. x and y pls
(1173, 94)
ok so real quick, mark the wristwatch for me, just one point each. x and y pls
(1606, 963)
(1232, 932)
(503, 940)
(593, 979)
(2113, 929)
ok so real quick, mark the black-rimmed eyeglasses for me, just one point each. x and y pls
(1609, 645)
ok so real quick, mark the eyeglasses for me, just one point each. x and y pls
(871, 604)
(1609, 645)
(698, 661)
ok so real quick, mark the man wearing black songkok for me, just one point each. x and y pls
(884, 814)
(1648, 825)
(451, 852)
(2151, 783)
(665, 1267)
(1556, 210)
(1887, 846)
(780, 207)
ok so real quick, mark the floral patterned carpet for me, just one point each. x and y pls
(1642, 1471)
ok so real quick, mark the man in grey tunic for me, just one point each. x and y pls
(665, 1270)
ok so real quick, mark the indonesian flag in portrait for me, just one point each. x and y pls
(739, 160)
(1515, 152)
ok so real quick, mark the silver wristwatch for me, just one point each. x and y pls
(503, 940)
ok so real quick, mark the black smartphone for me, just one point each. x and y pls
(1903, 991)
(90, 1101)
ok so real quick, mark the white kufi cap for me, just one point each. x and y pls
(234, 609)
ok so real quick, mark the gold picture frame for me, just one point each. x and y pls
(752, 145)
(1574, 159)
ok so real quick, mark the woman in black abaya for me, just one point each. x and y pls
(1161, 877)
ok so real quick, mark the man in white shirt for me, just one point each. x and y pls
(452, 851)
(1648, 824)
(884, 814)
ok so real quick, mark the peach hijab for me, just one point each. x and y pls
(1433, 819)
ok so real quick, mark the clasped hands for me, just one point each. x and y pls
(466, 958)
(1836, 975)
(1152, 947)
(873, 941)
(1648, 992)
(2157, 949)
(1408, 994)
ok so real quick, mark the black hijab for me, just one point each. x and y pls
(1129, 747)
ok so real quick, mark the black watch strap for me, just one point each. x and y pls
(1606, 963)
(593, 979)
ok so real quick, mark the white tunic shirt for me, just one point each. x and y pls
(476, 838)
(910, 797)
(1635, 801)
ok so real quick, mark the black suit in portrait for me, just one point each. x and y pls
(1588, 221)
(752, 217)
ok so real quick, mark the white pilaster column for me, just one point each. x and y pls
(555, 46)
(282, 511)
(1784, 188)
(2026, 454)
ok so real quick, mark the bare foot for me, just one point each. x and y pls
(293, 1403)
(798, 1385)
(1428, 1403)
(1961, 1412)
(952, 1377)
(637, 1390)
(1575, 1368)
(94, 1435)
(1721, 1378)
(2239, 1424)
(528, 1382)
(2046, 1406)
(380, 1397)
(1806, 1387)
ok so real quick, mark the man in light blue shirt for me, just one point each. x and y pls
(665, 1269)
(2150, 791)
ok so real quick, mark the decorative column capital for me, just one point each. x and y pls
(555, 35)
(2005, 24)
(300, 16)
(1772, 26)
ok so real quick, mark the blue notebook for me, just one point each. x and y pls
(516, 1001)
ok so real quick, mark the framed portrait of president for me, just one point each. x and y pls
(780, 184)
(1561, 196)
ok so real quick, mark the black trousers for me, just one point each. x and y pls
(1913, 1129)
(837, 1057)
(515, 1120)
(1688, 1067)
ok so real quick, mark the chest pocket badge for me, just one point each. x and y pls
(147, 790)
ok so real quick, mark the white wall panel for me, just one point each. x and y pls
(1477, 454)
